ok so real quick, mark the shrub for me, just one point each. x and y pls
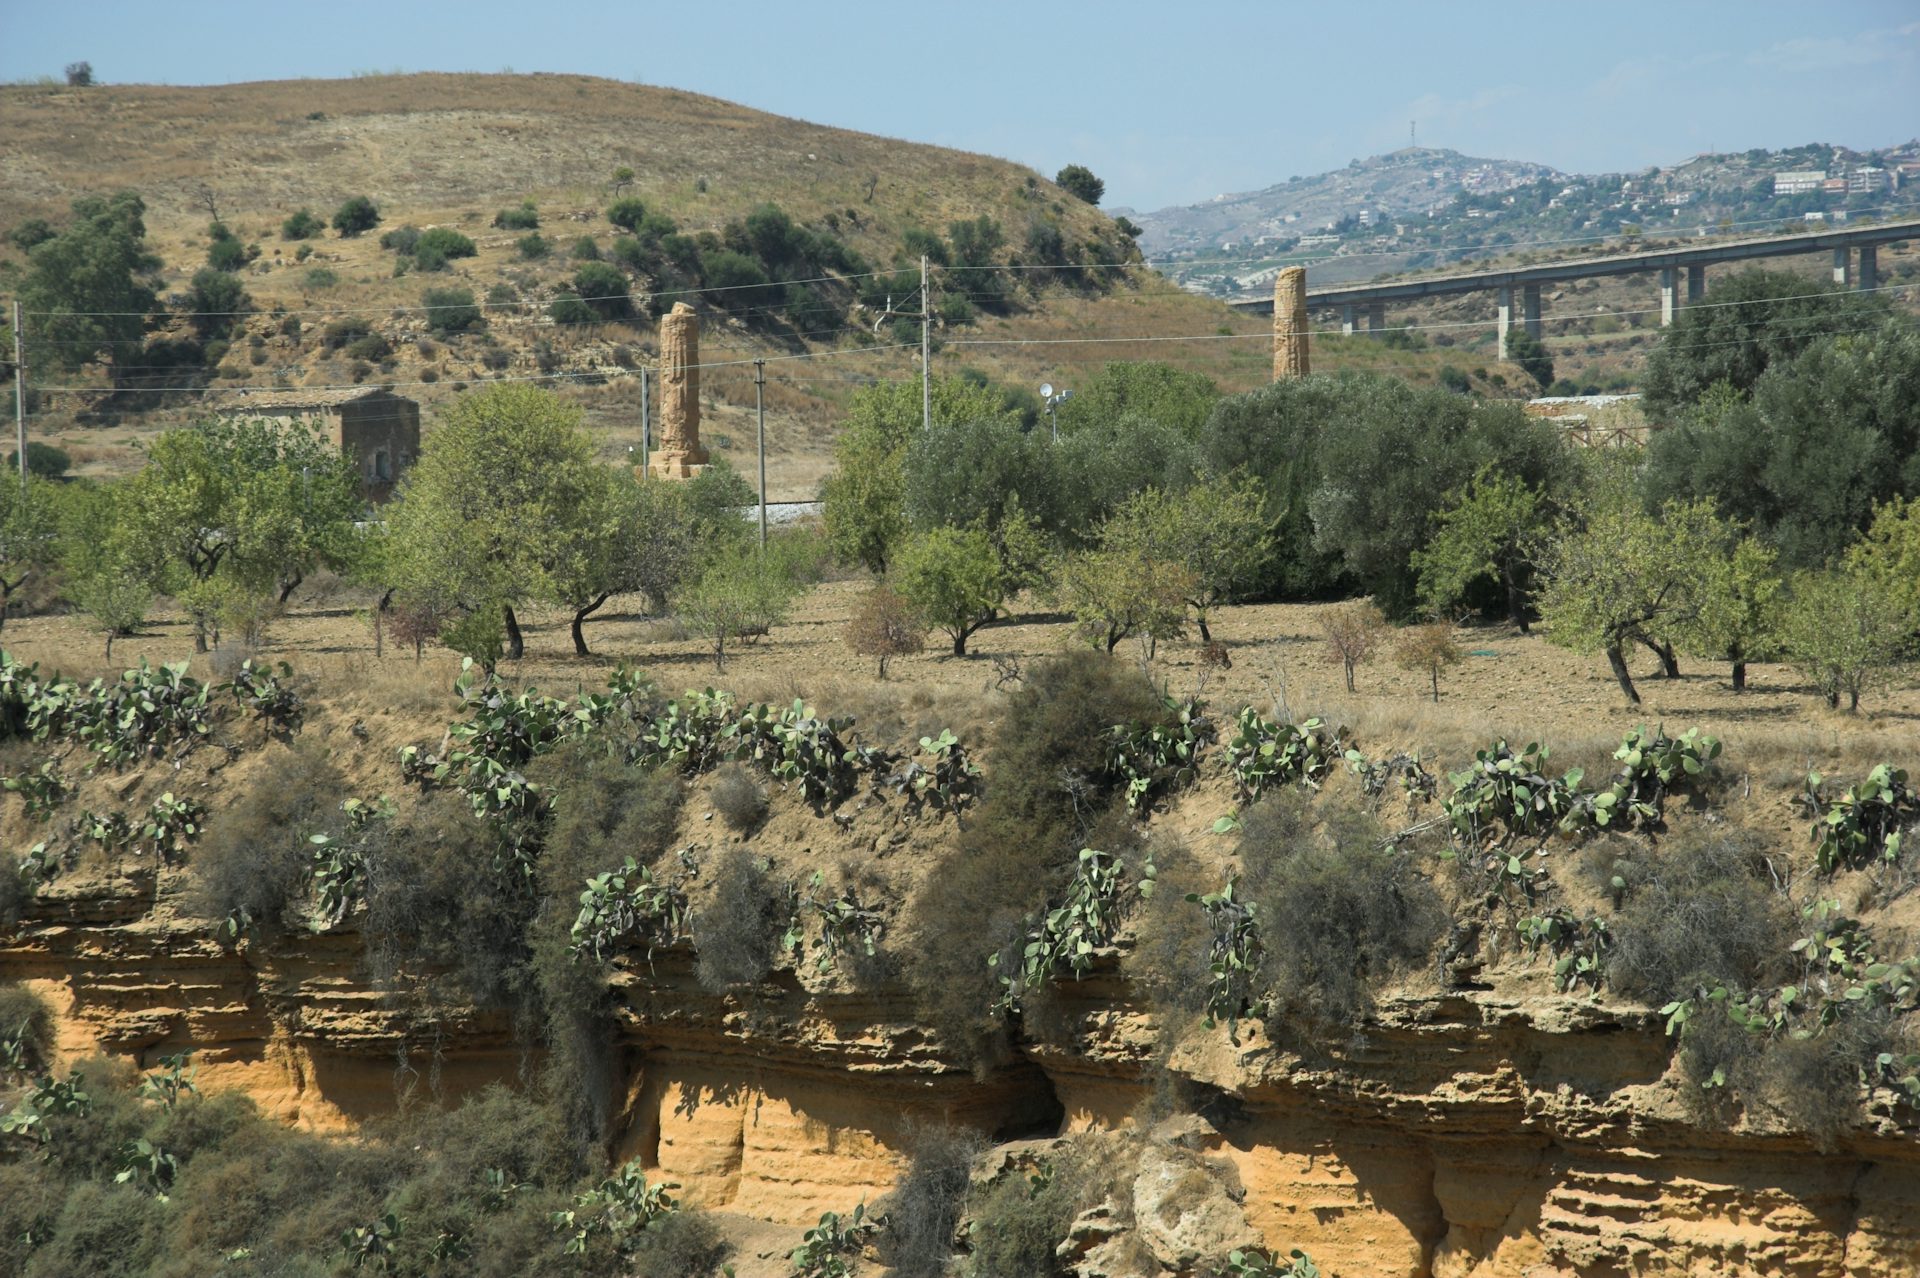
(744, 280)
(1699, 912)
(601, 813)
(955, 310)
(630, 253)
(1339, 912)
(1048, 796)
(319, 277)
(523, 218)
(884, 626)
(604, 289)
(226, 254)
(302, 225)
(445, 241)
(1078, 181)
(737, 930)
(104, 1231)
(1020, 1222)
(42, 459)
(925, 1206)
(1428, 649)
(740, 594)
(26, 1031)
(1353, 630)
(355, 216)
(680, 1244)
(251, 867)
(739, 798)
(372, 348)
(401, 239)
(451, 310)
(533, 247)
(627, 213)
(569, 309)
(585, 250)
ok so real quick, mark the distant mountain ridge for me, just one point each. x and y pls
(1408, 181)
(1421, 208)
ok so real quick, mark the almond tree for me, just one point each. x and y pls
(1620, 576)
(492, 507)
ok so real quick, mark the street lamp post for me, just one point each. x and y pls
(1054, 400)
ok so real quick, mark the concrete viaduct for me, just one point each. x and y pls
(1528, 280)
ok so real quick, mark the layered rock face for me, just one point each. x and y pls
(1462, 1135)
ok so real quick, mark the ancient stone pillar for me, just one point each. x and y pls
(678, 454)
(1290, 323)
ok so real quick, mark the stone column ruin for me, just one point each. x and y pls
(1290, 323)
(678, 454)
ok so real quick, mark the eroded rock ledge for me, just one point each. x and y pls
(1463, 1134)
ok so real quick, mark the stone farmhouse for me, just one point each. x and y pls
(378, 430)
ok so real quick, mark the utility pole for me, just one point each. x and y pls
(760, 413)
(926, 350)
(645, 422)
(20, 393)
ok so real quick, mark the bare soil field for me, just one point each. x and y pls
(1510, 685)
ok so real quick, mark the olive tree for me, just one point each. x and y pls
(865, 497)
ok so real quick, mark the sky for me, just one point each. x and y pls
(1168, 103)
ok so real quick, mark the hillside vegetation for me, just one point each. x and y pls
(525, 168)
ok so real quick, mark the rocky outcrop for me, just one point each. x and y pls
(1462, 1135)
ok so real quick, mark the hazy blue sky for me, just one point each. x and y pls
(1170, 103)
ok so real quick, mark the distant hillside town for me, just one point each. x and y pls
(1418, 207)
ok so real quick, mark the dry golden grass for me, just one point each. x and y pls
(1510, 685)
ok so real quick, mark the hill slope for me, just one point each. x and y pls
(452, 150)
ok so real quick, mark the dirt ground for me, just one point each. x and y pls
(1508, 684)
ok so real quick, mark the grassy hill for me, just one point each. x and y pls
(453, 150)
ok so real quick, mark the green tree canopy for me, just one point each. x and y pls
(355, 215)
(244, 505)
(1214, 533)
(88, 290)
(1739, 616)
(1146, 389)
(1748, 322)
(954, 580)
(1355, 467)
(1078, 181)
(1828, 433)
(630, 535)
(488, 508)
(865, 497)
(1485, 535)
(1619, 576)
(1532, 355)
(29, 534)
